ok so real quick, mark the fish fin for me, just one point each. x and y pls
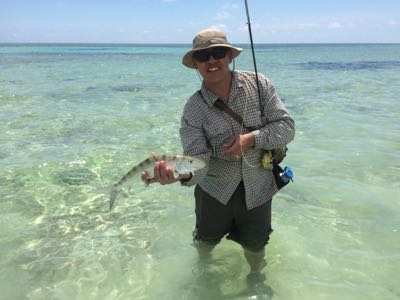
(113, 197)
(176, 174)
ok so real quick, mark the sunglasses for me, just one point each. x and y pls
(204, 55)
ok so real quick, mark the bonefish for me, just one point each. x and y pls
(179, 165)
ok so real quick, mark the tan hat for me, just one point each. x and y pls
(208, 38)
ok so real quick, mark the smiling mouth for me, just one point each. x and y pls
(213, 69)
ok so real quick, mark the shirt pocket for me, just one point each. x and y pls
(217, 136)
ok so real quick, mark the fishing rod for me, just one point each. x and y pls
(268, 156)
(254, 56)
(267, 160)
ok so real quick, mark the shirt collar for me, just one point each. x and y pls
(210, 97)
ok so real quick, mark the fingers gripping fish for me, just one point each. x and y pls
(179, 165)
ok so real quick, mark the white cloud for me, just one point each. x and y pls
(230, 6)
(195, 22)
(335, 25)
(295, 27)
(226, 11)
(308, 25)
(223, 15)
(223, 27)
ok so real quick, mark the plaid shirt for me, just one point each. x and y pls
(204, 128)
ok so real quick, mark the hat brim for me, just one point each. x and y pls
(187, 59)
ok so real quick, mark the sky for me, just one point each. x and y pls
(177, 21)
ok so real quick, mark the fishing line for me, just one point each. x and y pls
(258, 86)
(252, 51)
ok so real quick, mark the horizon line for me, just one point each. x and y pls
(185, 44)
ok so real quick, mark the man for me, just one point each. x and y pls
(234, 192)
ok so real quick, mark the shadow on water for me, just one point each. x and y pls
(350, 66)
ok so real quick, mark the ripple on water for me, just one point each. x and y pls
(336, 228)
(76, 176)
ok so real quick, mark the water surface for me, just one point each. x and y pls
(75, 118)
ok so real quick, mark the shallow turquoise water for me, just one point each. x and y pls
(75, 118)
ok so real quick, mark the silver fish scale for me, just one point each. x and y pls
(193, 164)
(143, 165)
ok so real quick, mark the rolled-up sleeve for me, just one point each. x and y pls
(194, 144)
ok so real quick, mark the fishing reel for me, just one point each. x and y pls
(267, 160)
(273, 157)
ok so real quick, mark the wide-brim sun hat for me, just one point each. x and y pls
(205, 39)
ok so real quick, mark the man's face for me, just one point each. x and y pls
(213, 64)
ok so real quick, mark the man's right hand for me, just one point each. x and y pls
(163, 174)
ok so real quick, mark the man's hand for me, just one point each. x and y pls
(163, 174)
(237, 145)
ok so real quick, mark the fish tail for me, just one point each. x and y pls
(113, 197)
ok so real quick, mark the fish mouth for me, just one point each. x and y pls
(199, 163)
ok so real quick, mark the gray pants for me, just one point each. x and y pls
(214, 220)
